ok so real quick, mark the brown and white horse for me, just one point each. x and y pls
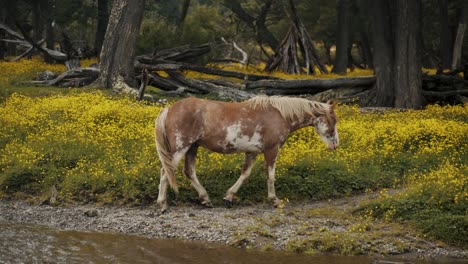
(259, 125)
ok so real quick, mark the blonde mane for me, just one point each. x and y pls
(289, 107)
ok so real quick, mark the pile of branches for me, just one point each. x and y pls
(165, 69)
(24, 40)
(447, 87)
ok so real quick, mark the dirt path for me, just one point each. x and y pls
(324, 226)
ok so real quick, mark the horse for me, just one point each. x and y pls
(258, 125)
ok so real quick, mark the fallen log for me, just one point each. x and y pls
(342, 95)
(308, 86)
(179, 66)
(449, 97)
(24, 54)
(222, 91)
(178, 54)
(444, 95)
(10, 31)
(443, 83)
(164, 84)
(82, 73)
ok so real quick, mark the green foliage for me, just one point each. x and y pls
(203, 24)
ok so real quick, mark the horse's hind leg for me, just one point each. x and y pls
(189, 171)
(163, 184)
(162, 195)
(270, 160)
(246, 170)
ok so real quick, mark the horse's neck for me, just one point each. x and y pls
(298, 124)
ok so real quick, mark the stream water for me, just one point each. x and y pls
(23, 243)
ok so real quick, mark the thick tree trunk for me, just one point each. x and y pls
(383, 53)
(341, 59)
(445, 48)
(116, 59)
(408, 75)
(103, 19)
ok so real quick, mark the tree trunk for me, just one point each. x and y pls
(183, 13)
(445, 48)
(37, 20)
(383, 52)
(458, 44)
(407, 70)
(103, 18)
(8, 10)
(360, 14)
(341, 59)
(116, 59)
(50, 37)
(366, 50)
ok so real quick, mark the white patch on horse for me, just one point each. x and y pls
(178, 140)
(178, 155)
(337, 138)
(236, 139)
(322, 129)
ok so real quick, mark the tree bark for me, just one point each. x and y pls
(305, 85)
(50, 37)
(408, 75)
(445, 48)
(37, 20)
(116, 59)
(458, 44)
(183, 14)
(102, 21)
(341, 59)
(383, 53)
(8, 10)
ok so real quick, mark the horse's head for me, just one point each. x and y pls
(325, 125)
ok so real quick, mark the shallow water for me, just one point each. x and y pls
(23, 243)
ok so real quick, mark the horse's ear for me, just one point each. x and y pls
(332, 103)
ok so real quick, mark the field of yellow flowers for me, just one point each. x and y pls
(95, 148)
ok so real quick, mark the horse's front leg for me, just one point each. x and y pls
(270, 165)
(246, 170)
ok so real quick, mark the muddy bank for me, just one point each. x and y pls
(313, 227)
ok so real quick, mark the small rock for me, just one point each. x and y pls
(91, 213)
(191, 214)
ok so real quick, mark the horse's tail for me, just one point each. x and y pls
(163, 148)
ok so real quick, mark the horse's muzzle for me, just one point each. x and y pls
(332, 147)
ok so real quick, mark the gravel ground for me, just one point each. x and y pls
(256, 226)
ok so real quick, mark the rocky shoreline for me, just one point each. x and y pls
(316, 227)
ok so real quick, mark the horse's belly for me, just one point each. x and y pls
(233, 147)
(235, 144)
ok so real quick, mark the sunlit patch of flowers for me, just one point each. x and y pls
(96, 148)
(26, 68)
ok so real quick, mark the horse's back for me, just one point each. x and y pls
(223, 127)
